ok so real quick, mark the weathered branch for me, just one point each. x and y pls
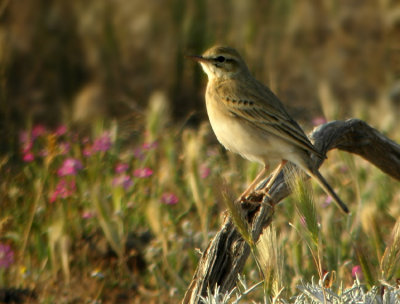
(227, 253)
(357, 137)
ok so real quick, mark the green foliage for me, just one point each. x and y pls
(112, 212)
(119, 209)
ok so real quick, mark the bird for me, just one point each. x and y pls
(249, 119)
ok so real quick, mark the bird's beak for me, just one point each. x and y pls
(198, 58)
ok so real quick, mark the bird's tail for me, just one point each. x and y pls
(328, 189)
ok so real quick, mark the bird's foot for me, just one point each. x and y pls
(254, 197)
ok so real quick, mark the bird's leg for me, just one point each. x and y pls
(274, 175)
(254, 183)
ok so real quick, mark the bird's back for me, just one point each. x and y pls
(256, 104)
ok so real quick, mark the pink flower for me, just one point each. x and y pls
(27, 146)
(121, 167)
(65, 147)
(138, 153)
(38, 130)
(169, 198)
(74, 137)
(64, 189)
(122, 180)
(61, 130)
(150, 146)
(303, 221)
(102, 143)
(87, 214)
(6, 255)
(204, 171)
(212, 152)
(319, 120)
(85, 140)
(143, 172)
(43, 153)
(23, 136)
(87, 151)
(357, 272)
(71, 166)
(328, 201)
(28, 157)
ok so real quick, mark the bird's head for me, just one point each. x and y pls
(221, 62)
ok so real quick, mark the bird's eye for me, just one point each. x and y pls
(220, 58)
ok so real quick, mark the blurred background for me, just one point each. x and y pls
(110, 176)
(76, 60)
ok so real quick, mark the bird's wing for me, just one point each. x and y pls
(260, 107)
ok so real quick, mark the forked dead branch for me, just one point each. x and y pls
(227, 253)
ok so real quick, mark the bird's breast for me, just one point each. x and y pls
(237, 135)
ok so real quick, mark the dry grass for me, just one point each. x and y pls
(115, 70)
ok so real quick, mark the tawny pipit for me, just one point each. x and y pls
(250, 120)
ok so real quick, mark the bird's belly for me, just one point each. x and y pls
(238, 137)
